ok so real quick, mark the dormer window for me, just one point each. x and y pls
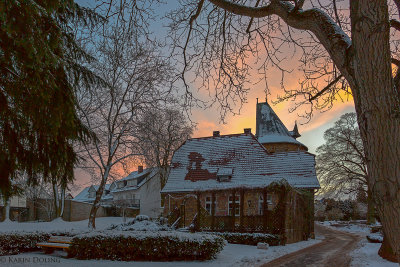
(107, 192)
(224, 174)
(125, 183)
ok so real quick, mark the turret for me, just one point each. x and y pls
(272, 133)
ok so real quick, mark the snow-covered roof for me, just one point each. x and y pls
(142, 177)
(83, 196)
(136, 174)
(224, 171)
(270, 129)
(196, 163)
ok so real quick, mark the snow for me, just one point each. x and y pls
(58, 225)
(231, 255)
(367, 253)
(357, 227)
(251, 165)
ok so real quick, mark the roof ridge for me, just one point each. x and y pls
(224, 135)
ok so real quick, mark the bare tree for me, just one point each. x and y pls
(136, 77)
(341, 163)
(161, 132)
(347, 45)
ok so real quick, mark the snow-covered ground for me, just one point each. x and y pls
(367, 253)
(358, 227)
(58, 225)
(231, 255)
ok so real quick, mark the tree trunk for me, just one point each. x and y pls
(96, 203)
(62, 202)
(56, 201)
(370, 209)
(7, 207)
(386, 251)
(375, 102)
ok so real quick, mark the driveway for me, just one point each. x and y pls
(332, 251)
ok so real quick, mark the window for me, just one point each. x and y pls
(261, 203)
(237, 205)
(208, 204)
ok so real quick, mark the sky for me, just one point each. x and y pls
(208, 120)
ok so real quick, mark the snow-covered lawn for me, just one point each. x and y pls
(59, 225)
(367, 253)
(358, 227)
(231, 255)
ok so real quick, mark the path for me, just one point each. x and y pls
(332, 251)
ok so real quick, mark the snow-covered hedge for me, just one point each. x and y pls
(18, 242)
(146, 246)
(250, 238)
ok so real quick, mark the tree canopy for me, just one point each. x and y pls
(39, 66)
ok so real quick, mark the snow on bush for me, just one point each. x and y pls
(250, 238)
(146, 246)
(140, 223)
(18, 242)
(140, 218)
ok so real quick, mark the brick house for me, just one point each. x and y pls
(244, 182)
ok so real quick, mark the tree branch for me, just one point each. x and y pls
(395, 24)
(326, 87)
(331, 36)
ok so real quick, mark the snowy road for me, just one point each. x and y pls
(332, 251)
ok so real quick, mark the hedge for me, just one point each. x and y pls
(249, 238)
(12, 243)
(146, 246)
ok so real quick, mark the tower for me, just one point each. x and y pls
(273, 134)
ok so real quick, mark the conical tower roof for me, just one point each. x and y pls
(270, 129)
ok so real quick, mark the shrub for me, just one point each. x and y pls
(250, 238)
(140, 218)
(147, 246)
(19, 242)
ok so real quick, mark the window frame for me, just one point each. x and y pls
(237, 205)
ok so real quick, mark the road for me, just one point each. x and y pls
(332, 251)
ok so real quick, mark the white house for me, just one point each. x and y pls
(140, 189)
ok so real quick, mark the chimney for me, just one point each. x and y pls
(247, 130)
(140, 169)
(216, 134)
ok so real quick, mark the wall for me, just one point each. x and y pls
(278, 147)
(186, 204)
(150, 197)
(77, 211)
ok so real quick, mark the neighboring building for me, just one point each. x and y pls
(238, 182)
(88, 194)
(140, 190)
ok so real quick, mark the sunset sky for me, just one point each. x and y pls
(208, 120)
